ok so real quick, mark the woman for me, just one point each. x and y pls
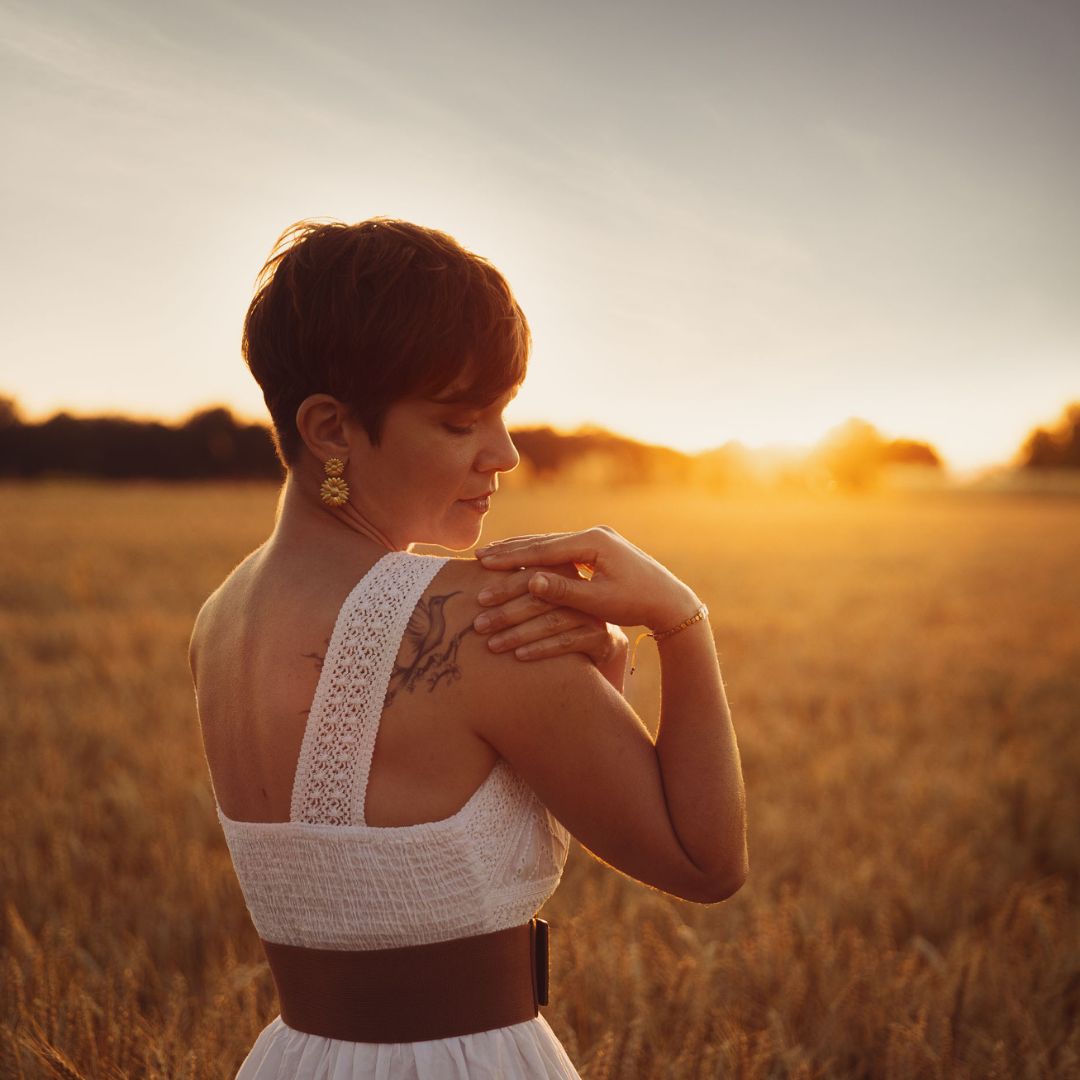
(394, 881)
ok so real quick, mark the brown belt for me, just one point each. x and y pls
(416, 992)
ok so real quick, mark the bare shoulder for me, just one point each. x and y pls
(459, 583)
(203, 619)
(510, 693)
(217, 605)
(447, 650)
(462, 580)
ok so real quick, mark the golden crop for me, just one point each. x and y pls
(904, 677)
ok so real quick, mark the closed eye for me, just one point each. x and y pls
(454, 429)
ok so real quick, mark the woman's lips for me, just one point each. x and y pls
(480, 505)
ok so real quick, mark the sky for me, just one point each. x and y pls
(723, 221)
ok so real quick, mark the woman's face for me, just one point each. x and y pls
(429, 479)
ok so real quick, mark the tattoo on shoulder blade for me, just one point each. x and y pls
(429, 657)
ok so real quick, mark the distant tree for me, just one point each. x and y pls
(910, 452)
(10, 413)
(1055, 447)
(853, 453)
(213, 443)
(542, 448)
(600, 457)
(724, 468)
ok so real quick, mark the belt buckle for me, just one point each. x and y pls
(539, 935)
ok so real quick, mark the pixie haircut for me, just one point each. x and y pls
(374, 313)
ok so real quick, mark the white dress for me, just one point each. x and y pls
(325, 879)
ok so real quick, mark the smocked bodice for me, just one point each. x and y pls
(325, 878)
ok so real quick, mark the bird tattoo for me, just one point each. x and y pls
(429, 657)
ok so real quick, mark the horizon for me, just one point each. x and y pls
(777, 449)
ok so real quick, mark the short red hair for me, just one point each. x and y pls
(376, 312)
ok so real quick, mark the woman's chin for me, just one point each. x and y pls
(456, 537)
(463, 543)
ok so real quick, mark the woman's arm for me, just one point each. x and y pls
(671, 812)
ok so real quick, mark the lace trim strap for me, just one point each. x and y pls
(339, 739)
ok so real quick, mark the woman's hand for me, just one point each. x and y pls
(535, 629)
(622, 584)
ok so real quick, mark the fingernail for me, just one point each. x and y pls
(480, 551)
(523, 652)
(485, 596)
(482, 622)
(539, 583)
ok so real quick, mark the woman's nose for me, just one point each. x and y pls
(501, 455)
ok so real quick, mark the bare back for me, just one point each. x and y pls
(257, 652)
(453, 710)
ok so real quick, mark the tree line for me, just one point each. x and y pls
(212, 443)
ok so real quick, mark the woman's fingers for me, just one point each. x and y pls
(510, 586)
(576, 593)
(515, 540)
(545, 626)
(543, 551)
(613, 580)
(507, 541)
(505, 588)
(580, 639)
(512, 613)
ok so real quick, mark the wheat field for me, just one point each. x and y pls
(904, 678)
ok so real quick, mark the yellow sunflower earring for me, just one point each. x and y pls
(334, 490)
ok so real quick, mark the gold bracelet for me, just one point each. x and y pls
(701, 613)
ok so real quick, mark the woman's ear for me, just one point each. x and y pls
(323, 424)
